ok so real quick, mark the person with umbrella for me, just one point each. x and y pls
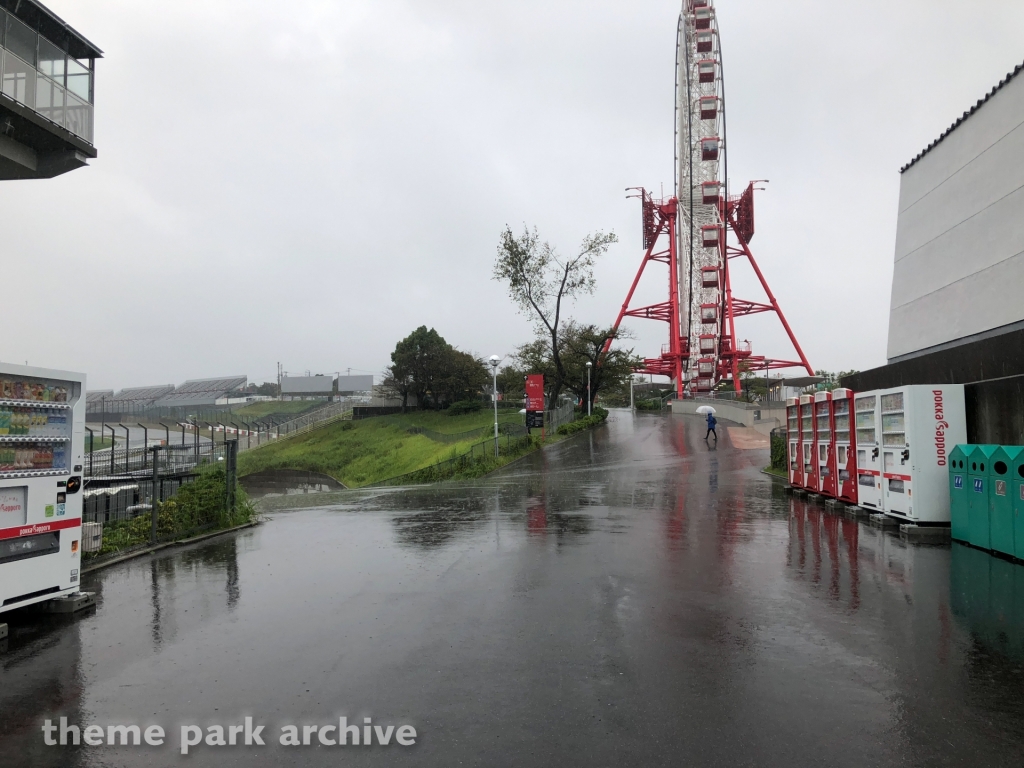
(712, 422)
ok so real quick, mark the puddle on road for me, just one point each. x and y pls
(288, 482)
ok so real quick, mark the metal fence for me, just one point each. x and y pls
(318, 418)
(121, 511)
(563, 414)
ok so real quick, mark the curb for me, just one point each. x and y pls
(773, 476)
(167, 545)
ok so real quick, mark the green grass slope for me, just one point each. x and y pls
(264, 408)
(361, 452)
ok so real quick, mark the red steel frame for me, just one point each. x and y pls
(738, 215)
(659, 220)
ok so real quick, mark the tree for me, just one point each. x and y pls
(584, 344)
(268, 388)
(461, 377)
(436, 373)
(416, 362)
(538, 282)
(831, 380)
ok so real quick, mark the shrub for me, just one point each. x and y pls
(648, 405)
(459, 407)
(779, 452)
(598, 416)
(199, 504)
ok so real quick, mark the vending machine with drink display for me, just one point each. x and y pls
(810, 479)
(42, 429)
(920, 426)
(824, 457)
(869, 458)
(793, 457)
(807, 441)
(844, 445)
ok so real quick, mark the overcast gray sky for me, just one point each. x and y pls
(307, 182)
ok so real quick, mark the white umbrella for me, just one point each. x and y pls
(704, 409)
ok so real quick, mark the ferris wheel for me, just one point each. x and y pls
(704, 228)
(701, 192)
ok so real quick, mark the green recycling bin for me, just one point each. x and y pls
(959, 493)
(979, 466)
(1017, 491)
(1000, 498)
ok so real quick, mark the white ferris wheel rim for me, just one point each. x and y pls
(692, 172)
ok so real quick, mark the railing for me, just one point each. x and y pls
(52, 84)
(319, 418)
(138, 462)
(123, 513)
(563, 414)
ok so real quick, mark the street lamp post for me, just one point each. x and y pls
(494, 395)
(589, 398)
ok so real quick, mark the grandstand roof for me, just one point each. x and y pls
(99, 395)
(144, 394)
(203, 391)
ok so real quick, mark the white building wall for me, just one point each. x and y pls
(959, 267)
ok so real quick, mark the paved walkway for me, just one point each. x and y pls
(631, 597)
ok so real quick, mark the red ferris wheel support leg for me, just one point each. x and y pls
(744, 248)
(659, 219)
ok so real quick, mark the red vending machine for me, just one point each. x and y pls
(824, 457)
(810, 478)
(796, 469)
(844, 443)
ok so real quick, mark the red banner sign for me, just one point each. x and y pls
(535, 392)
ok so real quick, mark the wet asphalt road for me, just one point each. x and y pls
(629, 597)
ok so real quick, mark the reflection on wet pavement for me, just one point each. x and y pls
(633, 596)
(287, 482)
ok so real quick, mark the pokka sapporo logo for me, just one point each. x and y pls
(940, 429)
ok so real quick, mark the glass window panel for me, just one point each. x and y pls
(78, 79)
(21, 40)
(50, 100)
(866, 419)
(51, 60)
(3, 25)
(865, 403)
(78, 117)
(892, 402)
(892, 422)
(19, 80)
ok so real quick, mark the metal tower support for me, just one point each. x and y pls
(659, 221)
(739, 221)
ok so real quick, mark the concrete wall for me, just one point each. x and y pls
(992, 372)
(959, 262)
(763, 418)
